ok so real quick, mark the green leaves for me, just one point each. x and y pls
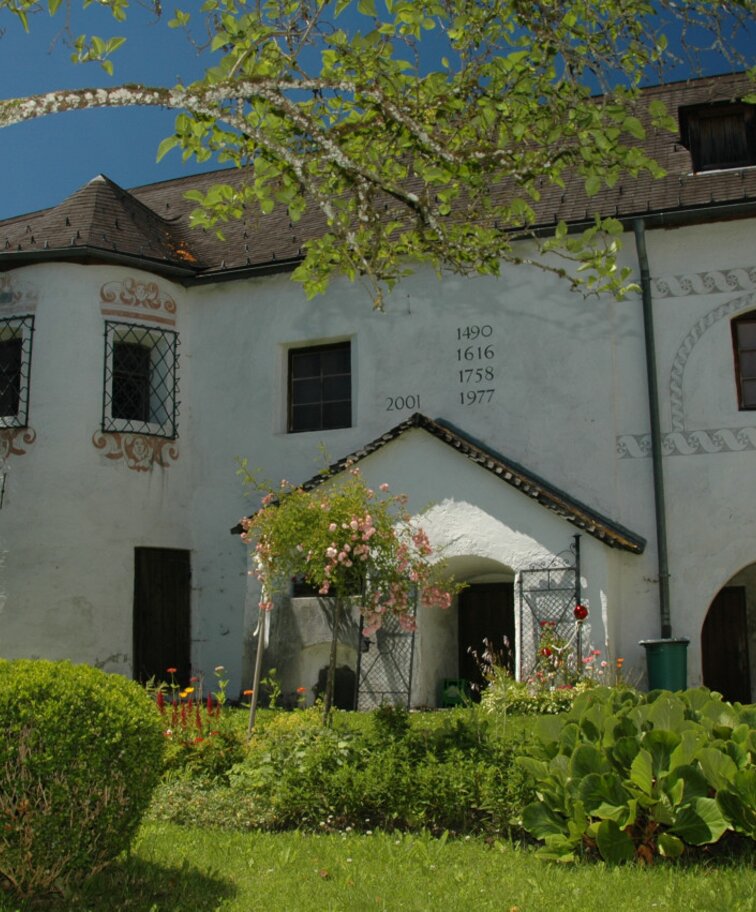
(615, 844)
(700, 822)
(406, 159)
(88, 49)
(541, 822)
(678, 771)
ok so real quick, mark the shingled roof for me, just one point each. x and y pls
(149, 225)
(512, 473)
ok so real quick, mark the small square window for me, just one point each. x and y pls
(320, 388)
(140, 391)
(719, 135)
(744, 341)
(15, 367)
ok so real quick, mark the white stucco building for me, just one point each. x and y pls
(139, 361)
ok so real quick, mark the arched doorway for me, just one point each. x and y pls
(484, 609)
(727, 637)
(486, 623)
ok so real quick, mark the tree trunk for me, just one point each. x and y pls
(331, 679)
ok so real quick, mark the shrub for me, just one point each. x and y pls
(627, 775)
(394, 774)
(80, 757)
(503, 694)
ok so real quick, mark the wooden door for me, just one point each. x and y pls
(724, 645)
(486, 612)
(162, 610)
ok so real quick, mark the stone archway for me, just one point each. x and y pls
(483, 610)
(728, 638)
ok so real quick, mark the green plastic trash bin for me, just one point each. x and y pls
(667, 663)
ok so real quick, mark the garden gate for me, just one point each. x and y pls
(384, 665)
(548, 596)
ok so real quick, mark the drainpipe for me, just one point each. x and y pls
(639, 228)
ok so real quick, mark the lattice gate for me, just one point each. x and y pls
(384, 666)
(548, 596)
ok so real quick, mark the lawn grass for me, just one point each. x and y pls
(180, 869)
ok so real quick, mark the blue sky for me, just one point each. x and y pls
(44, 161)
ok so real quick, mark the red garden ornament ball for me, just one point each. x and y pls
(580, 612)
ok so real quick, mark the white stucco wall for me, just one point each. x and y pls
(568, 402)
(71, 517)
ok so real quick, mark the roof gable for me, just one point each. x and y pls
(512, 473)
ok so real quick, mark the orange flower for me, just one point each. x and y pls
(301, 690)
(171, 671)
(248, 693)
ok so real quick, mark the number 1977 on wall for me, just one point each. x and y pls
(476, 397)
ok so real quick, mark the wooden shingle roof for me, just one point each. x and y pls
(149, 225)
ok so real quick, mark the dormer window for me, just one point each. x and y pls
(721, 135)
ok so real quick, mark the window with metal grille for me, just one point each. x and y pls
(140, 385)
(320, 387)
(719, 135)
(744, 341)
(15, 367)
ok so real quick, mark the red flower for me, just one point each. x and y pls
(301, 690)
(580, 612)
(546, 651)
(171, 671)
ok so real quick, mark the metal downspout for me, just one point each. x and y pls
(639, 228)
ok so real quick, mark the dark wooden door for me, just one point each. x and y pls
(162, 610)
(486, 613)
(724, 646)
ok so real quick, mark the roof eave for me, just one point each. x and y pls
(86, 252)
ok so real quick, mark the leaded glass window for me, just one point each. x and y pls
(141, 380)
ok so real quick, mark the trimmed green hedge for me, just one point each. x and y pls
(80, 756)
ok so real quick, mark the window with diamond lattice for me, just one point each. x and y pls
(140, 380)
(15, 364)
